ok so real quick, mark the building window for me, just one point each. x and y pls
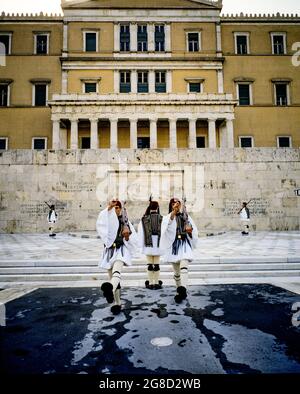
(142, 38)
(40, 95)
(193, 42)
(246, 142)
(5, 39)
(244, 93)
(160, 82)
(125, 38)
(125, 84)
(159, 38)
(194, 87)
(4, 95)
(85, 143)
(284, 142)
(142, 82)
(241, 43)
(90, 41)
(3, 143)
(281, 94)
(90, 87)
(41, 44)
(39, 143)
(200, 141)
(278, 43)
(143, 142)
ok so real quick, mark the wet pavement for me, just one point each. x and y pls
(219, 329)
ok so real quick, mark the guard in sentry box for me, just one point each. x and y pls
(149, 232)
(120, 244)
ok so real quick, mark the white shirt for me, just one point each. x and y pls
(107, 227)
(243, 214)
(154, 250)
(53, 217)
(168, 236)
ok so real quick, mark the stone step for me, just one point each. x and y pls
(142, 275)
(142, 268)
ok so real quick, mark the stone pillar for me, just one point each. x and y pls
(212, 142)
(56, 134)
(116, 37)
(151, 77)
(192, 134)
(94, 133)
(133, 37)
(151, 34)
(74, 133)
(229, 132)
(116, 81)
(65, 40)
(133, 133)
(168, 37)
(219, 39)
(173, 133)
(64, 82)
(133, 81)
(220, 81)
(153, 133)
(114, 133)
(169, 81)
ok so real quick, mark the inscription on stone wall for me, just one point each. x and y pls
(75, 187)
(40, 210)
(257, 207)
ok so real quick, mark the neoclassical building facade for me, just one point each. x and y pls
(112, 74)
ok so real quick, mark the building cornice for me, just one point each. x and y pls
(41, 17)
(277, 18)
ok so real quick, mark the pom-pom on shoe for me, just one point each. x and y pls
(107, 289)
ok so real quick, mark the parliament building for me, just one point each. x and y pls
(136, 74)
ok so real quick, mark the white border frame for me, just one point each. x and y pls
(284, 136)
(250, 92)
(3, 33)
(279, 33)
(240, 33)
(39, 138)
(246, 136)
(33, 94)
(84, 40)
(187, 40)
(88, 81)
(8, 94)
(287, 93)
(35, 43)
(6, 142)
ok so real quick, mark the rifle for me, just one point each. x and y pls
(185, 214)
(49, 206)
(124, 215)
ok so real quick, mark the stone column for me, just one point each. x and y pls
(212, 143)
(173, 133)
(133, 37)
(169, 81)
(133, 133)
(64, 82)
(56, 134)
(168, 37)
(133, 80)
(151, 77)
(153, 133)
(220, 81)
(192, 134)
(116, 37)
(114, 133)
(229, 132)
(116, 81)
(74, 133)
(151, 38)
(94, 133)
(65, 40)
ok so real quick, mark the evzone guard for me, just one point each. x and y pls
(179, 236)
(149, 231)
(120, 243)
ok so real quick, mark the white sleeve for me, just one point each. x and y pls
(141, 235)
(107, 226)
(168, 232)
(194, 232)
